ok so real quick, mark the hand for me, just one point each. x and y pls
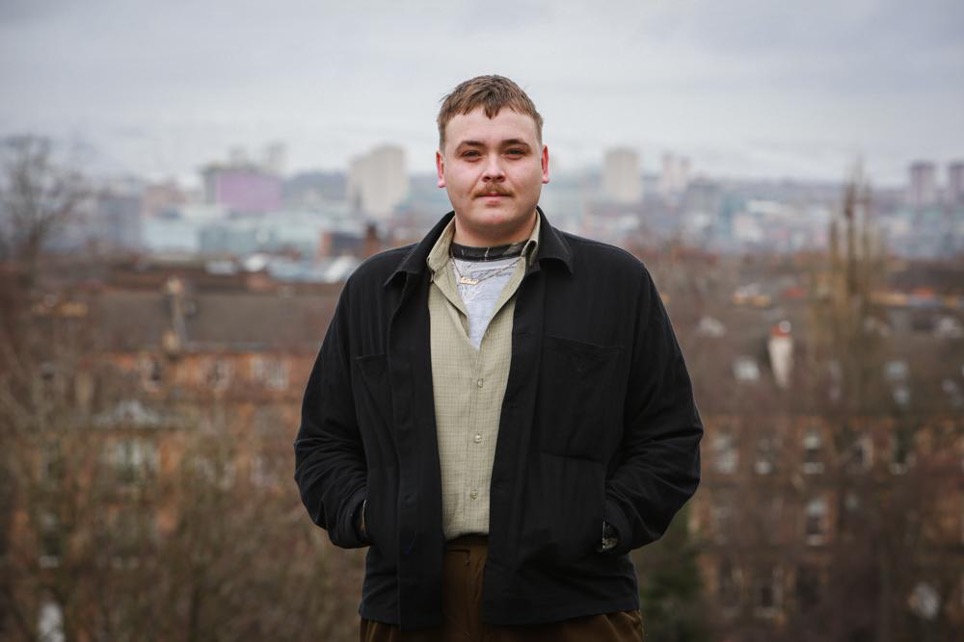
(610, 538)
(360, 526)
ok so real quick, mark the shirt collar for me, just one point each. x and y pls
(550, 243)
(439, 256)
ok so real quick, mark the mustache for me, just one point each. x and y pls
(493, 190)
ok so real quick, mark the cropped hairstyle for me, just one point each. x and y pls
(492, 93)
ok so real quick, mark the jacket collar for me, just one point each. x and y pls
(552, 247)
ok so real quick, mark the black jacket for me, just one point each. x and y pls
(598, 423)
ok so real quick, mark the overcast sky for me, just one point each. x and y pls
(742, 87)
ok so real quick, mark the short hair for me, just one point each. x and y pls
(491, 93)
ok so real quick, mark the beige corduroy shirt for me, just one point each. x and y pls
(469, 385)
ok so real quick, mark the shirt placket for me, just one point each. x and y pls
(473, 490)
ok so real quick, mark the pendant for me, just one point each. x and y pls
(465, 280)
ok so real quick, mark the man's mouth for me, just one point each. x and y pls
(492, 194)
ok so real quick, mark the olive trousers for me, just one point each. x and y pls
(462, 612)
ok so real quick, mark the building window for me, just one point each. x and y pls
(273, 373)
(746, 369)
(214, 419)
(813, 452)
(815, 526)
(264, 474)
(51, 381)
(773, 520)
(835, 377)
(132, 537)
(50, 622)
(953, 392)
(766, 455)
(721, 516)
(897, 375)
(768, 592)
(266, 421)
(896, 370)
(807, 588)
(925, 601)
(134, 460)
(728, 584)
(51, 540)
(152, 372)
(52, 463)
(215, 472)
(860, 455)
(217, 375)
(726, 457)
(901, 449)
(852, 502)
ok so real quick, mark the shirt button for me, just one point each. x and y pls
(474, 494)
(479, 383)
(478, 439)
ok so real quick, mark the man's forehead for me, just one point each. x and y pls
(506, 124)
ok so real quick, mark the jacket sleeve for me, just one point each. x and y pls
(659, 465)
(330, 467)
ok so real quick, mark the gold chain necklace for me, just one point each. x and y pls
(467, 280)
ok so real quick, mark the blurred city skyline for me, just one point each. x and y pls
(749, 89)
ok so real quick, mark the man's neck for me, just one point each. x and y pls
(470, 238)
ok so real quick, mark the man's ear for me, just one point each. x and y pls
(545, 164)
(440, 168)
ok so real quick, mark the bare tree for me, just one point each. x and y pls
(887, 543)
(130, 514)
(39, 193)
(831, 509)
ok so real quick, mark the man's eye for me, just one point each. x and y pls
(470, 154)
(515, 152)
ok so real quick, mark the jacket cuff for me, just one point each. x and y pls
(615, 517)
(351, 538)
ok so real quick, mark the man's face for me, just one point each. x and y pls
(493, 170)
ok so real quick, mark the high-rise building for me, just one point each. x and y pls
(116, 220)
(160, 198)
(955, 183)
(674, 176)
(244, 189)
(622, 181)
(378, 181)
(922, 190)
(274, 157)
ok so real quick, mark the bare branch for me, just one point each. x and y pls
(39, 194)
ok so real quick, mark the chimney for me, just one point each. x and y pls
(175, 337)
(372, 242)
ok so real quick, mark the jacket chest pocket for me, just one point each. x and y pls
(579, 408)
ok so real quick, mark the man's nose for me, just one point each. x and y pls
(493, 169)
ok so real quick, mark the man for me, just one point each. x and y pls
(501, 412)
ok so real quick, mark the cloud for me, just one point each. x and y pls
(875, 74)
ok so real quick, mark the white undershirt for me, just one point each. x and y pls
(480, 299)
